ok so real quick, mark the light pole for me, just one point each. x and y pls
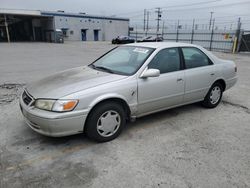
(210, 22)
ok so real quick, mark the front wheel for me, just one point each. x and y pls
(105, 122)
(213, 96)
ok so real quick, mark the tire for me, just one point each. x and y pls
(105, 122)
(211, 101)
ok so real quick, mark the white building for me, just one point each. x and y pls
(27, 25)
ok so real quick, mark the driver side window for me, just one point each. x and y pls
(167, 60)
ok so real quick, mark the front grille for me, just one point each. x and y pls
(27, 99)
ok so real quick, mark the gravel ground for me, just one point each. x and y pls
(188, 146)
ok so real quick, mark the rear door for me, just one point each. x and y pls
(199, 74)
(167, 90)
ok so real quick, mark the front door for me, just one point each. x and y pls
(96, 35)
(84, 34)
(165, 91)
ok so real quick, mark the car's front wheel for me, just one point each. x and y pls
(213, 96)
(105, 122)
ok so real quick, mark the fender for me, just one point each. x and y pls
(133, 106)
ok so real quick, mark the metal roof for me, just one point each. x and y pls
(21, 12)
(53, 13)
(25, 12)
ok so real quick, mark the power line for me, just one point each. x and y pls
(207, 7)
(180, 5)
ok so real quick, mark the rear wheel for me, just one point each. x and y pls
(213, 96)
(105, 122)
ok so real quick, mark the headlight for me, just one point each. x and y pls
(56, 105)
(44, 104)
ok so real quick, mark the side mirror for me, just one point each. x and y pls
(150, 73)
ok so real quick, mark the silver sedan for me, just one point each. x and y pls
(126, 83)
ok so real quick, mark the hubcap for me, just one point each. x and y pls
(215, 95)
(108, 123)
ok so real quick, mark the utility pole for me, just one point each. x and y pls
(192, 36)
(147, 23)
(144, 20)
(239, 24)
(177, 31)
(158, 11)
(212, 34)
(7, 29)
(210, 22)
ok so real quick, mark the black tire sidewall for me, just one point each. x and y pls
(207, 102)
(91, 124)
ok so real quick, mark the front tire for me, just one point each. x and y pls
(105, 122)
(213, 96)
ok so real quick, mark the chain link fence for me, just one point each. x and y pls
(215, 40)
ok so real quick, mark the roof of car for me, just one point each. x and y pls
(160, 44)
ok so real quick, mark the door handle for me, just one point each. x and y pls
(179, 79)
(212, 74)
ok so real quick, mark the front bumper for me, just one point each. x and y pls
(52, 123)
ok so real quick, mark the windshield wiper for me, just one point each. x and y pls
(102, 68)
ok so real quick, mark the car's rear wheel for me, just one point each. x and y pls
(213, 96)
(105, 122)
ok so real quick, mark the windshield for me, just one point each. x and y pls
(124, 60)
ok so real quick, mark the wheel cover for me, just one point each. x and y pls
(215, 95)
(108, 123)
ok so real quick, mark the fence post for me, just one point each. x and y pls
(212, 33)
(177, 31)
(238, 34)
(136, 33)
(192, 35)
(162, 35)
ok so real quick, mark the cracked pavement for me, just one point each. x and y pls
(188, 146)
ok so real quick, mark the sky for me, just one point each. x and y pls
(225, 12)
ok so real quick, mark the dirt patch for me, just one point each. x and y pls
(9, 92)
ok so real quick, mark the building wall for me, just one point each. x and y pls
(108, 29)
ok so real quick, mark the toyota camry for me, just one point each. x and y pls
(126, 83)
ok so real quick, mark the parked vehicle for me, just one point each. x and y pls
(151, 39)
(128, 82)
(123, 40)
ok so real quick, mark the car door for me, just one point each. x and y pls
(199, 74)
(156, 93)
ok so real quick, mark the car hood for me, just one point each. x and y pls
(70, 81)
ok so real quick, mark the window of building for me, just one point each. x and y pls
(167, 60)
(65, 32)
(71, 32)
